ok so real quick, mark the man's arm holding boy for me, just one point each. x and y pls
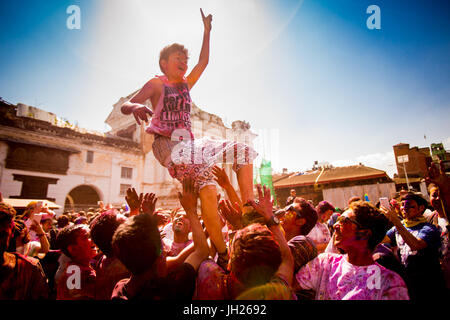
(188, 200)
(264, 208)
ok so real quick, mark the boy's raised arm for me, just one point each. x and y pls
(203, 60)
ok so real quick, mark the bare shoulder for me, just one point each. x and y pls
(155, 84)
(155, 81)
(151, 89)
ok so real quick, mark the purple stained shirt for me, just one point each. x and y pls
(332, 277)
(173, 110)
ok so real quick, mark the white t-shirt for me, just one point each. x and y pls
(167, 231)
(30, 249)
(320, 234)
(332, 277)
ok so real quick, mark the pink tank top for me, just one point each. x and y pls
(173, 109)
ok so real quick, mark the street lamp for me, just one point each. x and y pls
(403, 159)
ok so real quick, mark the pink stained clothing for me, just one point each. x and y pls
(211, 282)
(189, 157)
(174, 248)
(70, 287)
(332, 277)
(172, 110)
(109, 271)
(320, 234)
(23, 280)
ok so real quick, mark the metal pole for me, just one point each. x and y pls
(406, 175)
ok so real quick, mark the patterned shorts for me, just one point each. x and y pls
(196, 158)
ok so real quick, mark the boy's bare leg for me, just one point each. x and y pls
(210, 215)
(245, 181)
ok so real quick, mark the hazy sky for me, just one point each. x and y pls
(311, 78)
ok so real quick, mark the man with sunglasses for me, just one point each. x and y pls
(354, 275)
(299, 218)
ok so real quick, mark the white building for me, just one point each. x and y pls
(42, 157)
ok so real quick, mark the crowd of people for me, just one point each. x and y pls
(238, 248)
(298, 252)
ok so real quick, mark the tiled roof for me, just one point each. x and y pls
(328, 175)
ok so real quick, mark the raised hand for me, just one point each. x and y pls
(206, 21)
(390, 213)
(36, 227)
(140, 113)
(265, 205)
(134, 201)
(148, 203)
(232, 213)
(221, 176)
(436, 175)
(188, 198)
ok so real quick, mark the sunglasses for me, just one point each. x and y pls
(293, 209)
(344, 220)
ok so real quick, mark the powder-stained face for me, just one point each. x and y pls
(181, 223)
(175, 66)
(345, 230)
(411, 209)
(47, 225)
(435, 199)
(84, 249)
(326, 215)
(288, 221)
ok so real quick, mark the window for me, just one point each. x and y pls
(127, 173)
(123, 189)
(90, 157)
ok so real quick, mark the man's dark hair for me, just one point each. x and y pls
(137, 243)
(168, 50)
(353, 199)
(369, 217)
(421, 201)
(255, 256)
(307, 212)
(323, 207)
(62, 221)
(102, 231)
(19, 226)
(68, 236)
(7, 213)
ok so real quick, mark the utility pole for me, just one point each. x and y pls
(404, 159)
